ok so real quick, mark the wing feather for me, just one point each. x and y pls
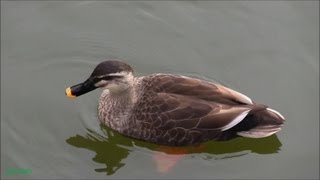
(190, 113)
(182, 85)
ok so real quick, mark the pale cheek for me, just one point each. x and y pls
(116, 87)
(101, 83)
(112, 87)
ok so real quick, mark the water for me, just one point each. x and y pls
(265, 49)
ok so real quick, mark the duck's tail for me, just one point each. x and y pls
(262, 123)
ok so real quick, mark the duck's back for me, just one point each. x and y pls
(178, 110)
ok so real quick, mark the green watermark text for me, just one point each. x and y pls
(14, 171)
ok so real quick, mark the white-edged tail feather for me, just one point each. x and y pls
(236, 120)
(276, 112)
(260, 131)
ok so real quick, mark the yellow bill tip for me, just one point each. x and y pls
(69, 93)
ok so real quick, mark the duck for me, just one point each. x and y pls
(172, 109)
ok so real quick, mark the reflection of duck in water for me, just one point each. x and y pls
(174, 110)
(106, 148)
(112, 149)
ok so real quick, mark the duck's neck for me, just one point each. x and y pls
(115, 108)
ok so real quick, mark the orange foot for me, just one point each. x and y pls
(166, 157)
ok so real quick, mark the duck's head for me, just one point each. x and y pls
(116, 76)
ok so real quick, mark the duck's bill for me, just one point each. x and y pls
(80, 89)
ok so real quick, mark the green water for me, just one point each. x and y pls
(266, 49)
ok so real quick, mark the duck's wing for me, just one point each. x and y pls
(201, 89)
(180, 120)
(191, 113)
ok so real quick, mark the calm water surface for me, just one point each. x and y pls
(267, 50)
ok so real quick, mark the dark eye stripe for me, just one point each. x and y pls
(107, 78)
(110, 77)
